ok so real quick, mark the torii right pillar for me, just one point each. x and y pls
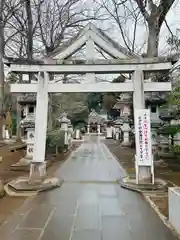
(144, 167)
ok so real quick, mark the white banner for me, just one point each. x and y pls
(143, 137)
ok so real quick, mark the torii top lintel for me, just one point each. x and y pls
(122, 60)
(100, 39)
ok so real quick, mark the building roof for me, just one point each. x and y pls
(94, 117)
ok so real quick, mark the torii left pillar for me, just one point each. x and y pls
(38, 164)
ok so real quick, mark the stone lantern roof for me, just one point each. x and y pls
(64, 119)
(69, 123)
(167, 114)
(155, 97)
(123, 100)
(118, 121)
(94, 117)
(26, 99)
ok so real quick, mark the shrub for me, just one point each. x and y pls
(176, 150)
(169, 130)
(55, 141)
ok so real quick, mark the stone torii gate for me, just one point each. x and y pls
(91, 37)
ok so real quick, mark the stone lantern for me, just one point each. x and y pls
(109, 130)
(123, 104)
(153, 101)
(28, 107)
(28, 103)
(177, 135)
(28, 123)
(117, 126)
(64, 121)
(70, 127)
(70, 133)
(77, 134)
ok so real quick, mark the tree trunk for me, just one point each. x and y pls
(172, 140)
(30, 29)
(1, 68)
(29, 33)
(153, 40)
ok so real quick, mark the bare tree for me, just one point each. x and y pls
(153, 13)
(19, 34)
(123, 13)
(5, 13)
(20, 30)
(59, 21)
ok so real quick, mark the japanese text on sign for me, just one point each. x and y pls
(143, 137)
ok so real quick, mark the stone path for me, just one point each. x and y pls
(90, 205)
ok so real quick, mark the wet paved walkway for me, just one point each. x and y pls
(90, 205)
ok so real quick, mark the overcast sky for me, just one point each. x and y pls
(173, 20)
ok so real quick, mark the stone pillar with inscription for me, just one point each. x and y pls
(30, 143)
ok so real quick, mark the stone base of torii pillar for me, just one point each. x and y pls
(37, 173)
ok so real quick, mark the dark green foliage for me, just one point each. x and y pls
(55, 141)
(176, 150)
(94, 101)
(169, 130)
(14, 124)
(174, 42)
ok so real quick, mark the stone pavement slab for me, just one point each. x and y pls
(115, 228)
(59, 227)
(90, 205)
(87, 218)
(22, 234)
(88, 235)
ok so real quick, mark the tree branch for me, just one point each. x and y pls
(163, 8)
(142, 7)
